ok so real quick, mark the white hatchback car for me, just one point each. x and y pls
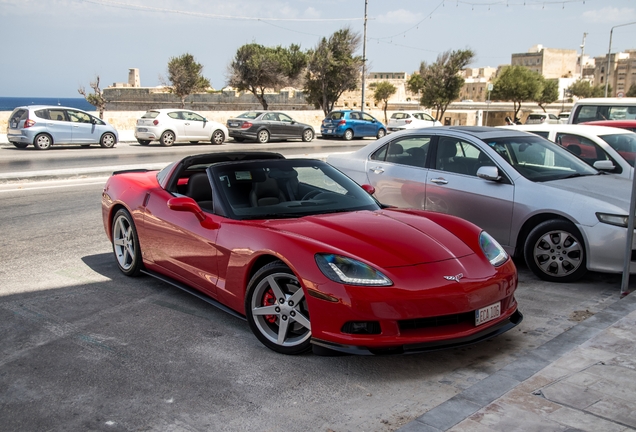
(171, 125)
(410, 120)
(540, 118)
(592, 144)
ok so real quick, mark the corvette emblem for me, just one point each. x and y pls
(455, 278)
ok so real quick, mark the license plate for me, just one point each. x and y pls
(234, 124)
(142, 130)
(488, 313)
(329, 130)
(14, 125)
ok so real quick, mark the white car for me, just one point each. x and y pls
(539, 118)
(410, 120)
(592, 144)
(171, 125)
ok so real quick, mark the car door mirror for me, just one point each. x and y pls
(604, 165)
(368, 189)
(187, 204)
(489, 173)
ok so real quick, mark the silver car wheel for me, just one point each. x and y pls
(348, 135)
(42, 142)
(108, 140)
(218, 137)
(126, 243)
(277, 310)
(308, 135)
(263, 136)
(167, 138)
(558, 253)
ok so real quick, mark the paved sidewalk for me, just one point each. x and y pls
(582, 380)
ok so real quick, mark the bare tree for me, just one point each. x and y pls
(96, 98)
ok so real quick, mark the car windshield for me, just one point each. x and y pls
(624, 144)
(150, 114)
(286, 188)
(250, 115)
(538, 159)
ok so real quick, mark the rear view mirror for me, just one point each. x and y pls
(604, 165)
(489, 173)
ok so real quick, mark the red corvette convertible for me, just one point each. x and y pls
(308, 257)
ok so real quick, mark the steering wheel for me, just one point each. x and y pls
(310, 194)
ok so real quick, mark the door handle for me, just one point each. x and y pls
(439, 181)
(187, 124)
(377, 170)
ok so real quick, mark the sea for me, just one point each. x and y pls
(9, 103)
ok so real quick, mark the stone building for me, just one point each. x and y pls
(549, 62)
(622, 71)
(476, 83)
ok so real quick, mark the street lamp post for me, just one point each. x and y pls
(609, 54)
(364, 54)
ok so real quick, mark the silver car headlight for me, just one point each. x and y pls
(612, 219)
(345, 270)
(492, 249)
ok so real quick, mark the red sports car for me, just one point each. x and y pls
(308, 257)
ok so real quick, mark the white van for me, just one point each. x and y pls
(592, 109)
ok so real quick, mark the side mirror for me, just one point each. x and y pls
(368, 189)
(187, 204)
(489, 173)
(604, 165)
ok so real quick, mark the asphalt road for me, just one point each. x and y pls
(83, 347)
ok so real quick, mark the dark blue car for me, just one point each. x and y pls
(351, 124)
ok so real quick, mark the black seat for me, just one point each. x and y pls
(199, 189)
(446, 151)
(265, 193)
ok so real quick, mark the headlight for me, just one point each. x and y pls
(611, 219)
(349, 271)
(492, 249)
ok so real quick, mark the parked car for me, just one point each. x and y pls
(263, 126)
(564, 116)
(538, 118)
(533, 196)
(599, 146)
(308, 257)
(410, 120)
(170, 125)
(630, 125)
(44, 126)
(592, 109)
(351, 124)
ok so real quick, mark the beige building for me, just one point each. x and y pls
(549, 62)
(476, 83)
(622, 71)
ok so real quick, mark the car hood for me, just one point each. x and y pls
(385, 238)
(610, 189)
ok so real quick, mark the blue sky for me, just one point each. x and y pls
(51, 47)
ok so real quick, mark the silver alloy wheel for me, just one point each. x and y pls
(108, 140)
(284, 323)
(124, 242)
(558, 253)
(218, 137)
(308, 135)
(263, 136)
(348, 135)
(42, 142)
(167, 138)
(381, 133)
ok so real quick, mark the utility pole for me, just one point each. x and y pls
(364, 54)
(609, 54)
(582, 53)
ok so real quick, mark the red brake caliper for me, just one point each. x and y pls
(268, 300)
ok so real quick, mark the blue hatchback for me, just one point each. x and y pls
(351, 124)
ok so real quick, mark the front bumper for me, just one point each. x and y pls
(606, 248)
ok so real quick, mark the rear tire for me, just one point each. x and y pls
(348, 135)
(20, 145)
(143, 142)
(43, 141)
(108, 140)
(167, 138)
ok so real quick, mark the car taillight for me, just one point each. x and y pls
(155, 122)
(342, 122)
(246, 125)
(408, 121)
(28, 123)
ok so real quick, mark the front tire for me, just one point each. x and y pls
(43, 142)
(167, 138)
(126, 243)
(348, 135)
(381, 134)
(218, 137)
(554, 251)
(308, 135)
(276, 310)
(108, 140)
(262, 136)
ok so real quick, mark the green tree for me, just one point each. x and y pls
(96, 98)
(184, 75)
(632, 91)
(517, 84)
(383, 90)
(256, 68)
(549, 93)
(440, 83)
(332, 69)
(583, 89)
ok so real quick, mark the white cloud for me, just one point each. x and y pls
(400, 16)
(311, 13)
(610, 15)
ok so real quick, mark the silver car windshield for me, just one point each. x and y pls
(538, 159)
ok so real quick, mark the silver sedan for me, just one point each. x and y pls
(537, 199)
